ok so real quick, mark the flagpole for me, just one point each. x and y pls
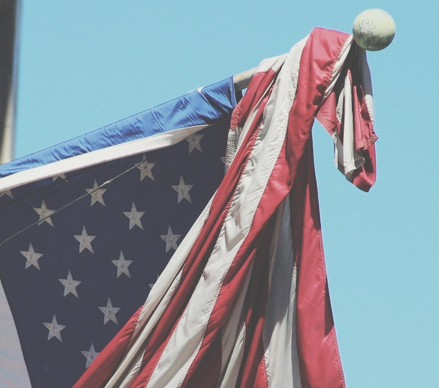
(10, 12)
(373, 30)
(242, 80)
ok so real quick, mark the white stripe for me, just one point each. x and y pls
(274, 64)
(366, 83)
(13, 372)
(236, 136)
(338, 66)
(231, 372)
(233, 339)
(189, 333)
(279, 334)
(348, 159)
(134, 147)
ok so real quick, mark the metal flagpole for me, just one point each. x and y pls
(9, 32)
(373, 30)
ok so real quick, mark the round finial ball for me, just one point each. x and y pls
(374, 29)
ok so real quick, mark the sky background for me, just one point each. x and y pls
(84, 64)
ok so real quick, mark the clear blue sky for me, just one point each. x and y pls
(84, 64)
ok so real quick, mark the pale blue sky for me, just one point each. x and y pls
(84, 64)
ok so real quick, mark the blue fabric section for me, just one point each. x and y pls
(35, 292)
(209, 105)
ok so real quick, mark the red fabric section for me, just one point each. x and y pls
(320, 364)
(208, 369)
(102, 368)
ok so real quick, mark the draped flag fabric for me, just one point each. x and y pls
(243, 302)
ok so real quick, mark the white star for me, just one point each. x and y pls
(44, 214)
(96, 194)
(134, 217)
(122, 265)
(183, 190)
(223, 159)
(8, 193)
(145, 169)
(70, 285)
(90, 355)
(31, 257)
(54, 329)
(59, 176)
(194, 142)
(171, 239)
(109, 312)
(85, 240)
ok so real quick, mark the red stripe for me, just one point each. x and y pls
(320, 364)
(102, 368)
(208, 370)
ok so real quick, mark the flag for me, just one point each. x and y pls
(87, 226)
(243, 302)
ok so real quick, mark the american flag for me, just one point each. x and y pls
(243, 302)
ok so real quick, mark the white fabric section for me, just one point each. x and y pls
(231, 373)
(132, 373)
(189, 333)
(338, 66)
(348, 160)
(233, 340)
(134, 147)
(13, 372)
(367, 84)
(274, 63)
(158, 299)
(232, 146)
(279, 335)
(235, 137)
